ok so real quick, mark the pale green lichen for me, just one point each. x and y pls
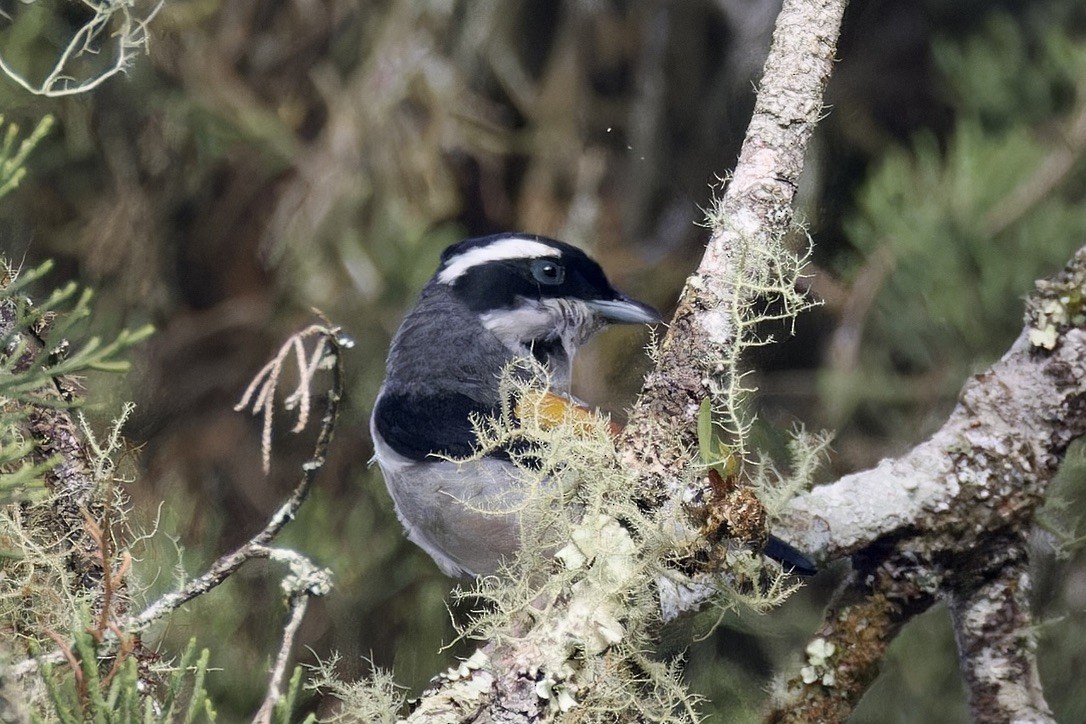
(590, 566)
(1056, 305)
(587, 544)
(819, 652)
(776, 487)
(760, 288)
(375, 699)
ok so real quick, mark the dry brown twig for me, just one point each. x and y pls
(260, 394)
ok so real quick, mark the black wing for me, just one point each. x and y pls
(420, 427)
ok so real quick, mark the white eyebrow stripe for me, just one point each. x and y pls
(512, 248)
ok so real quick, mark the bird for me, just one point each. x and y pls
(492, 302)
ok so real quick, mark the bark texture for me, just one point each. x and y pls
(948, 518)
(756, 208)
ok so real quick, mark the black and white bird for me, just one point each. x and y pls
(493, 300)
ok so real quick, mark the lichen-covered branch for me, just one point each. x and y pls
(305, 579)
(42, 397)
(845, 655)
(987, 468)
(753, 215)
(991, 620)
(997, 648)
(304, 582)
(120, 26)
(947, 519)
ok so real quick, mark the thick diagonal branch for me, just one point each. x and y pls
(754, 212)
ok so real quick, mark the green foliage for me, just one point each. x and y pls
(284, 708)
(109, 677)
(20, 479)
(955, 282)
(40, 596)
(714, 453)
(48, 322)
(36, 353)
(12, 158)
(1005, 76)
(112, 690)
(970, 221)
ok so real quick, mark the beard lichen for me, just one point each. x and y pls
(584, 594)
(580, 594)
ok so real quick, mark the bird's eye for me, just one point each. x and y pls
(548, 272)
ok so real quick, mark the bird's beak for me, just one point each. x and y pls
(624, 310)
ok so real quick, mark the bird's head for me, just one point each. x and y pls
(538, 296)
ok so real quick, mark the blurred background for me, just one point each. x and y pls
(270, 157)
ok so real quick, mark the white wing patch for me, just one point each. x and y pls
(512, 247)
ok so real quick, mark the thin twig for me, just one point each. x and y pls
(306, 580)
(131, 34)
(298, 605)
(334, 341)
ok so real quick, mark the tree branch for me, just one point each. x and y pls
(755, 210)
(845, 655)
(114, 23)
(987, 468)
(947, 519)
(330, 344)
(743, 263)
(328, 353)
(997, 648)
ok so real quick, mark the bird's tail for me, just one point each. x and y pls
(789, 557)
